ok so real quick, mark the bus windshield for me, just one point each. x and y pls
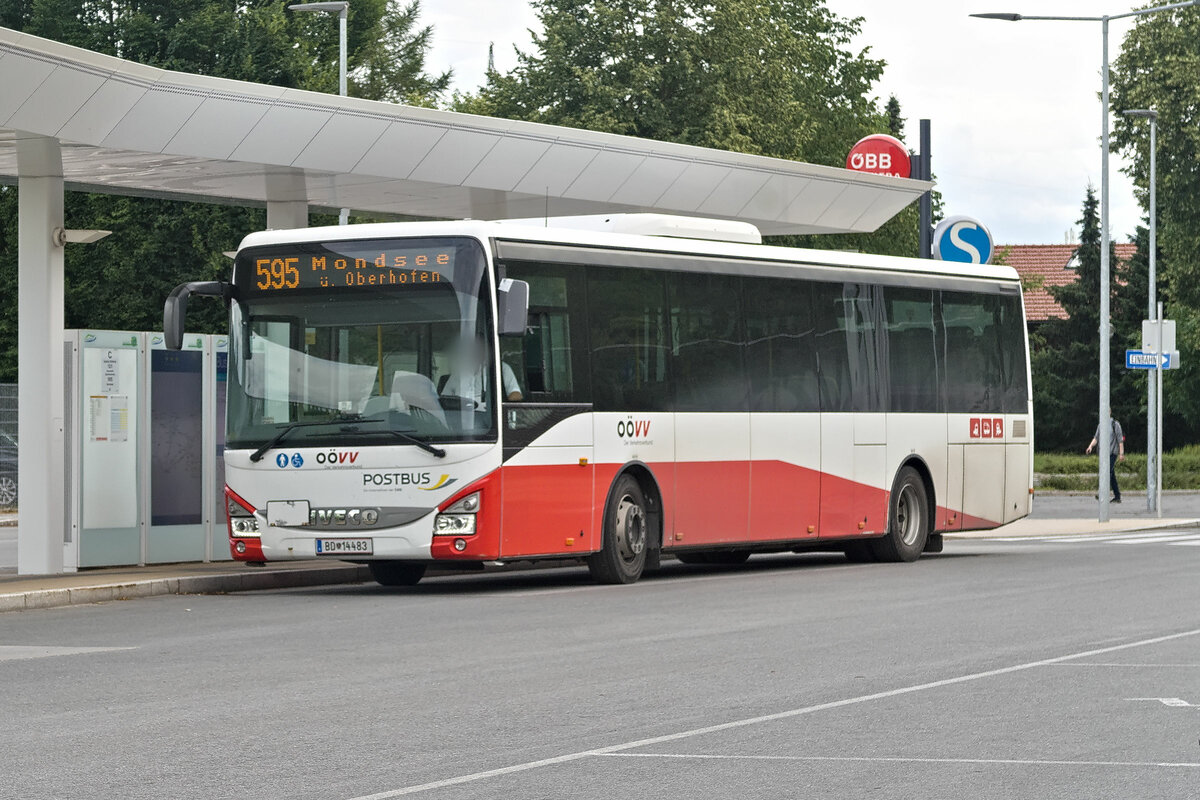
(355, 342)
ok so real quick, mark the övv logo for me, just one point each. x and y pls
(631, 430)
(335, 457)
(987, 427)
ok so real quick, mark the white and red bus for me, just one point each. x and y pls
(461, 393)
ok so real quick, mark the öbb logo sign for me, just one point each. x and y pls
(987, 427)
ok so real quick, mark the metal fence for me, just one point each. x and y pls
(8, 409)
(8, 454)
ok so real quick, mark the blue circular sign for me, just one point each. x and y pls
(281, 460)
(962, 239)
(297, 460)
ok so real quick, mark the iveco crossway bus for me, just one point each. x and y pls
(614, 389)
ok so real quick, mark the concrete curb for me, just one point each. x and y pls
(187, 584)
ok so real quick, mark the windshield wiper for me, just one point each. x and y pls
(354, 419)
(413, 440)
(257, 455)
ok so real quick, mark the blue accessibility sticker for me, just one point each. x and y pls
(281, 460)
(297, 460)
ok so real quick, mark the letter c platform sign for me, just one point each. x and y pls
(962, 239)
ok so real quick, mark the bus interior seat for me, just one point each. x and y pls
(414, 390)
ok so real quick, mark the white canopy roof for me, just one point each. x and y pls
(133, 129)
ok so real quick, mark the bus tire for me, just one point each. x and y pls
(622, 555)
(396, 573)
(908, 520)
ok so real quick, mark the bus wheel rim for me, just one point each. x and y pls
(908, 516)
(8, 491)
(631, 528)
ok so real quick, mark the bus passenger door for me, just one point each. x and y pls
(837, 475)
(547, 480)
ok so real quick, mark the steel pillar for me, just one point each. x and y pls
(40, 469)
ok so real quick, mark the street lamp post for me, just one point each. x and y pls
(342, 9)
(1105, 432)
(1154, 384)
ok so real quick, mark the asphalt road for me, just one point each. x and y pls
(996, 670)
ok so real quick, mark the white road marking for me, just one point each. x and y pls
(1128, 537)
(741, 723)
(17, 652)
(1155, 539)
(1173, 702)
(1123, 664)
(886, 759)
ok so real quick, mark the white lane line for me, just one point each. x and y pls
(1155, 539)
(1195, 543)
(1128, 537)
(17, 652)
(899, 760)
(741, 723)
(1065, 538)
(1122, 664)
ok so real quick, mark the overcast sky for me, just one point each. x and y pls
(1014, 107)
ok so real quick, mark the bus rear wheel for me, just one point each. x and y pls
(908, 520)
(622, 555)
(396, 573)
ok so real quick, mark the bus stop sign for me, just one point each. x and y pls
(962, 239)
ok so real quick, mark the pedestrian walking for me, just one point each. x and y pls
(1117, 453)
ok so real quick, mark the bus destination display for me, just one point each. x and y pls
(271, 272)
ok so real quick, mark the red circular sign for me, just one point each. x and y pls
(880, 154)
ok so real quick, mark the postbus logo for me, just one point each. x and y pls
(987, 427)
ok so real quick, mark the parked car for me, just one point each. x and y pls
(8, 470)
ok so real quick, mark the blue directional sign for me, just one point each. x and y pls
(1140, 359)
(962, 239)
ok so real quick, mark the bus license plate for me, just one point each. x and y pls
(340, 547)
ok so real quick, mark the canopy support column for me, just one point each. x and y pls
(40, 468)
(287, 199)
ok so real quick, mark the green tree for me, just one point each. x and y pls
(1157, 68)
(1066, 367)
(121, 282)
(777, 78)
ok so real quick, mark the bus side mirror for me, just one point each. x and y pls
(512, 303)
(175, 309)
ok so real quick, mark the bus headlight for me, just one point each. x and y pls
(242, 522)
(458, 519)
(243, 526)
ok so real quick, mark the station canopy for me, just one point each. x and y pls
(131, 129)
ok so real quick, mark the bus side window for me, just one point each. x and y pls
(912, 350)
(974, 372)
(781, 358)
(629, 340)
(547, 359)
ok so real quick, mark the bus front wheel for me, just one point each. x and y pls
(622, 555)
(396, 573)
(908, 520)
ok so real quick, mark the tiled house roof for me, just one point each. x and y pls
(1046, 265)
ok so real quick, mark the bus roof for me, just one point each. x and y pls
(525, 232)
